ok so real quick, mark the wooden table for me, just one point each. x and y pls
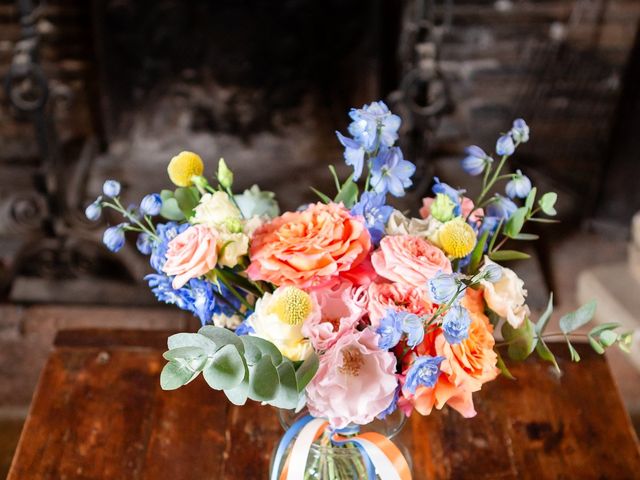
(99, 413)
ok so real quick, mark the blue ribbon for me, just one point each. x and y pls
(354, 430)
(288, 437)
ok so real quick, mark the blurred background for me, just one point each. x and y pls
(96, 89)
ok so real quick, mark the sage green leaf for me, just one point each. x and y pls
(576, 319)
(505, 255)
(166, 194)
(170, 210)
(191, 340)
(624, 341)
(334, 174)
(174, 376)
(187, 199)
(239, 394)
(608, 338)
(543, 220)
(221, 337)
(348, 194)
(547, 203)
(515, 222)
(575, 356)
(226, 369)
(526, 236)
(322, 196)
(287, 394)
(263, 380)
(546, 315)
(546, 354)
(596, 346)
(255, 348)
(602, 327)
(476, 254)
(193, 358)
(503, 368)
(531, 198)
(306, 371)
(520, 340)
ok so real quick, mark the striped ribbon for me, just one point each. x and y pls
(381, 456)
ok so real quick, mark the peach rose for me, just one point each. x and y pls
(409, 259)
(191, 254)
(467, 365)
(309, 249)
(397, 296)
(466, 207)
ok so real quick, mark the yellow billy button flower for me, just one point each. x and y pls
(457, 238)
(183, 167)
(292, 305)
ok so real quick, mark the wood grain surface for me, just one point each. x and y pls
(99, 413)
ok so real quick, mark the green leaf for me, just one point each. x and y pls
(348, 194)
(505, 255)
(306, 371)
(515, 222)
(221, 337)
(226, 369)
(546, 354)
(476, 254)
(334, 174)
(526, 236)
(602, 327)
(547, 203)
(191, 340)
(543, 220)
(263, 380)
(255, 348)
(608, 338)
(495, 235)
(174, 376)
(546, 315)
(287, 394)
(170, 210)
(520, 340)
(574, 320)
(239, 394)
(575, 357)
(184, 353)
(166, 194)
(322, 196)
(596, 346)
(624, 341)
(187, 199)
(503, 368)
(531, 198)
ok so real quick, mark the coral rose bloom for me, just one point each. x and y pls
(409, 259)
(191, 254)
(309, 249)
(467, 365)
(396, 296)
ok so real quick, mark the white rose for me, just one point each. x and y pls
(428, 228)
(268, 325)
(507, 296)
(214, 210)
(252, 224)
(225, 321)
(232, 246)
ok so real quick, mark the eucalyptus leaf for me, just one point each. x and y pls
(545, 353)
(521, 340)
(306, 371)
(239, 394)
(187, 199)
(255, 348)
(166, 194)
(543, 220)
(547, 203)
(193, 358)
(505, 255)
(596, 346)
(526, 236)
(608, 338)
(576, 319)
(575, 356)
(191, 340)
(171, 211)
(174, 376)
(531, 198)
(546, 315)
(263, 380)
(515, 222)
(602, 327)
(221, 337)
(503, 368)
(624, 342)
(287, 394)
(226, 369)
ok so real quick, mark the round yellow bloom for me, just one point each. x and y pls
(183, 167)
(457, 238)
(292, 305)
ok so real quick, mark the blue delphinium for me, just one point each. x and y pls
(505, 145)
(144, 244)
(202, 301)
(520, 131)
(376, 214)
(165, 232)
(501, 207)
(443, 288)
(94, 210)
(151, 204)
(446, 189)
(455, 324)
(113, 237)
(492, 272)
(111, 188)
(160, 285)
(390, 172)
(519, 186)
(475, 161)
(374, 125)
(423, 372)
(353, 154)
(392, 406)
(413, 326)
(390, 330)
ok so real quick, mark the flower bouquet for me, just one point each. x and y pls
(347, 310)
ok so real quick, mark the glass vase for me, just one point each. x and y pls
(327, 461)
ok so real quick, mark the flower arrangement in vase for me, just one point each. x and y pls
(347, 309)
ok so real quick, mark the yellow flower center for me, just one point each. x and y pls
(457, 238)
(292, 305)
(183, 167)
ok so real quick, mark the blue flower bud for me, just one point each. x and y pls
(443, 287)
(113, 237)
(475, 161)
(424, 371)
(505, 145)
(501, 207)
(492, 272)
(414, 328)
(455, 324)
(93, 211)
(143, 243)
(519, 186)
(111, 188)
(151, 204)
(520, 131)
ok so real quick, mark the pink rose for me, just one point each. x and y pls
(355, 381)
(466, 207)
(397, 296)
(191, 254)
(339, 315)
(409, 259)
